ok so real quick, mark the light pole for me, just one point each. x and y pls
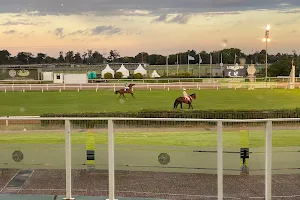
(267, 39)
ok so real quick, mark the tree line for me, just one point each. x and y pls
(226, 56)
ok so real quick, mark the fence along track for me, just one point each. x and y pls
(268, 148)
(144, 86)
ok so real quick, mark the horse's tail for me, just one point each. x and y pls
(116, 92)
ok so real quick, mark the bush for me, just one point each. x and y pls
(195, 114)
(138, 76)
(118, 75)
(108, 75)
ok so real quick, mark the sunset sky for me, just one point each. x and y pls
(153, 26)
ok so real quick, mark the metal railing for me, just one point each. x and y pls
(145, 86)
(111, 146)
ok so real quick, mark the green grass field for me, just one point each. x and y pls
(243, 138)
(36, 103)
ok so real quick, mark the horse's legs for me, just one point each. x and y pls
(191, 106)
(132, 95)
(124, 96)
(180, 105)
(176, 104)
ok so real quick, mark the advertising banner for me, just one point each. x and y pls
(19, 74)
(235, 71)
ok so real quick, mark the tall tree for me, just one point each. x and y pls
(25, 57)
(40, 58)
(4, 57)
(113, 55)
(77, 58)
(70, 57)
(61, 57)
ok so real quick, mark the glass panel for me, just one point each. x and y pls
(166, 159)
(32, 157)
(286, 159)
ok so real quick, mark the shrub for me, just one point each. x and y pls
(108, 75)
(138, 76)
(195, 114)
(118, 75)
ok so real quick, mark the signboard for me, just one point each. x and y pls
(19, 74)
(235, 71)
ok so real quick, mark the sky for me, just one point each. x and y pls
(153, 26)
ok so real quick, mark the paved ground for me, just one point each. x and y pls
(155, 185)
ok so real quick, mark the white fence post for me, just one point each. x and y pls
(220, 161)
(111, 160)
(268, 170)
(68, 155)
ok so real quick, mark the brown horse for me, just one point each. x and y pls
(181, 100)
(123, 91)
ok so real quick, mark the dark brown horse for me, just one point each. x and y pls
(181, 100)
(123, 91)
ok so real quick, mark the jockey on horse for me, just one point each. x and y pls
(186, 96)
(126, 87)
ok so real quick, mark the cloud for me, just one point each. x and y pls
(105, 30)
(99, 30)
(13, 23)
(290, 11)
(140, 8)
(59, 32)
(22, 22)
(219, 14)
(179, 18)
(80, 32)
(9, 32)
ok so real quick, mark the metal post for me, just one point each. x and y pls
(268, 170)
(111, 160)
(68, 160)
(220, 161)
(167, 64)
(199, 64)
(266, 58)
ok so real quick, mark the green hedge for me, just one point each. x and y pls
(195, 114)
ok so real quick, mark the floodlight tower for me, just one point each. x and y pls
(267, 39)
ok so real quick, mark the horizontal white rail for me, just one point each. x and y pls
(150, 119)
(148, 86)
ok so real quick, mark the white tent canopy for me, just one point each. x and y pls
(155, 74)
(124, 71)
(107, 69)
(141, 70)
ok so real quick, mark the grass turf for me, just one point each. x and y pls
(36, 103)
(243, 138)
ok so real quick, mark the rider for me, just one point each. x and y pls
(126, 87)
(186, 96)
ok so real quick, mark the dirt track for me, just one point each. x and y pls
(157, 185)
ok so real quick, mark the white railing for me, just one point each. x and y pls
(111, 147)
(145, 86)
